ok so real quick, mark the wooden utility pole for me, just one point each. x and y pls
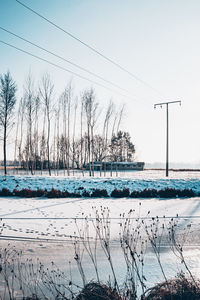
(167, 133)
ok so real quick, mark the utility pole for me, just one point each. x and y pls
(167, 133)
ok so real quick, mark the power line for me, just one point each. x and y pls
(94, 218)
(64, 69)
(91, 48)
(64, 59)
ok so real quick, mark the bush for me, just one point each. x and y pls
(165, 193)
(98, 291)
(41, 193)
(54, 194)
(172, 193)
(74, 195)
(120, 193)
(176, 289)
(99, 193)
(147, 193)
(168, 193)
(186, 193)
(85, 194)
(5, 192)
(66, 194)
(25, 193)
(134, 194)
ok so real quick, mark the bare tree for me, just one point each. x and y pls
(36, 131)
(120, 117)
(8, 90)
(63, 101)
(30, 104)
(54, 139)
(98, 148)
(81, 150)
(57, 120)
(43, 142)
(94, 118)
(46, 93)
(69, 100)
(73, 139)
(16, 137)
(90, 107)
(21, 113)
(64, 148)
(109, 112)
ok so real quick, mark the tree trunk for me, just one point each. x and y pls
(48, 148)
(4, 149)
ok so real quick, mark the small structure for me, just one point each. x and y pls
(119, 166)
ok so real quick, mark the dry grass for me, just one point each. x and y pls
(25, 280)
(180, 288)
(98, 291)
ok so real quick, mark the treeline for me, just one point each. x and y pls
(65, 132)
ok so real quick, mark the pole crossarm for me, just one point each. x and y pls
(166, 103)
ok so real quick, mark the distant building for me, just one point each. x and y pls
(119, 166)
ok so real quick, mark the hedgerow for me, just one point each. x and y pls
(120, 193)
(98, 193)
(146, 193)
(5, 192)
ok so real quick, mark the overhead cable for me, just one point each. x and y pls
(64, 69)
(91, 48)
(64, 59)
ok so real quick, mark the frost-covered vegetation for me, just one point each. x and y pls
(62, 187)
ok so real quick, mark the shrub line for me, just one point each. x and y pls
(98, 193)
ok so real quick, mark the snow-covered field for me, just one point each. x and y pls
(55, 218)
(138, 180)
(145, 174)
(45, 228)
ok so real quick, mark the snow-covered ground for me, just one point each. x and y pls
(145, 174)
(138, 180)
(45, 228)
(42, 228)
(54, 218)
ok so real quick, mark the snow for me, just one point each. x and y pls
(134, 181)
(55, 218)
(45, 228)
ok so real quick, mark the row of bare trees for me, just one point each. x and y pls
(64, 132)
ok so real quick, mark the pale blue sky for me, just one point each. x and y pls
(157, 40)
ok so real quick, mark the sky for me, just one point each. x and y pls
(158, 41)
